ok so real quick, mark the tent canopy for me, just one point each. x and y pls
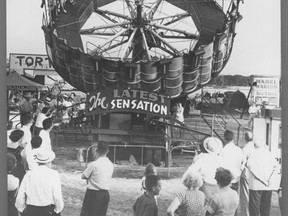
(236, 100)
(16, 81)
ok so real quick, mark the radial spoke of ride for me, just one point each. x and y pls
(114, 46)
(173, 19)
(164, 42)
(105, 27)
(150, 12)
(145, 44)
(127, 51)
(187, 34)
(166, 50)
(131, 9)
(113, 38)
(107, 14)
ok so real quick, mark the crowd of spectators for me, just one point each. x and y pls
(223, 179)
(64, 109)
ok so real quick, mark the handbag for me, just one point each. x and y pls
(182, 208)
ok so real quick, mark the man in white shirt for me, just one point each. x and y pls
(233, 158)
(30, 157)
(262, 165)
(99, 176)
(206, 163)
(248, 149)
(45, 134)
(40, 191)
(253, 111)
(26, 121)
(39, 120)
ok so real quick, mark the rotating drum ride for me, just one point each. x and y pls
(168, 47)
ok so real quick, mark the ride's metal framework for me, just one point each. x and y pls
(142, 46)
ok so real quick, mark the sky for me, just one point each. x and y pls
(256, 48)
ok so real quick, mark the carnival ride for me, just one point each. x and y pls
(172, 47)
(169, 47)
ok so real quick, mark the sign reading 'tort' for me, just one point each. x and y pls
(22, 62)
(127, 100)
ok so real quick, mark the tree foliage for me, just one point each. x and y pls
(231, 80)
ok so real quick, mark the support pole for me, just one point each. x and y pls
(142, 149)
(246, 102)
(114, 154)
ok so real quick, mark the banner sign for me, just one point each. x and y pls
(267, 90)
(127, 100)
(22, 62)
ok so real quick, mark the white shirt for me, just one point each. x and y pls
(99, 174)
(30, 159)
(46, 140)
(26, 142)
(82, 106)
(261, 163)
(39, 120)
(179, 114)
(67, 104)
(12, 182)
(27, 135)
(207, 164)
(233, 158)
(40, 187)
(248, 149)
(253, 110)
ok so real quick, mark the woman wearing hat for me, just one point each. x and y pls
(40, 191)
(207, 163)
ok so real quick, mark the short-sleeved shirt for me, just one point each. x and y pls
(46, 140)
(224, 203)
(99, 174)
(248, 149)
(12, 182)
(207, 165)
(194, 202)
(233, 159)
(145, 205)
(27, 136)
(39, 120)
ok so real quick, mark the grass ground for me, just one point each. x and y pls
(125, 188)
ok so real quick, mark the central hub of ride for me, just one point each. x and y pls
(139, 4)
(140, 31)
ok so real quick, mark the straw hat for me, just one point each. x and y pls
(212, 145)
(44, 156)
